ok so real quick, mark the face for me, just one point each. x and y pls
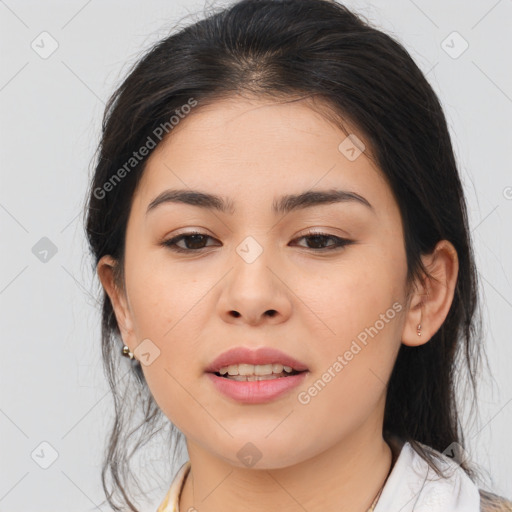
(323, 282)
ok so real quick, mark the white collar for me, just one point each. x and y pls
(413, 486)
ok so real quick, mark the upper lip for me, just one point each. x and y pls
(262, 355)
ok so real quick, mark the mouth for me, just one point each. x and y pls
(255, 376)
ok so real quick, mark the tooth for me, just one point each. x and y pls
(240, 378)
(245, 369)
(277, 368)
(262, 377)
(252, 378)
(233, 369)
(263, 369)
(287, 369)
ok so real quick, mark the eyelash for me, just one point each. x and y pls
(340, 243)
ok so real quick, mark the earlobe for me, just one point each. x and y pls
(431, 302)
(106, 274)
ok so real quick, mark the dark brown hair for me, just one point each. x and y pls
(290, 49)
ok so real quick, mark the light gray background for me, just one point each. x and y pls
(52, 384)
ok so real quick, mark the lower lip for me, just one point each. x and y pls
(258, 391)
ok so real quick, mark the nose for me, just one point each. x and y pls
(256, 292)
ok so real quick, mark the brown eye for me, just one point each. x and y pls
(318, 241)
(193, 242)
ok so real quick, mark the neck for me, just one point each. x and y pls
(346, 477)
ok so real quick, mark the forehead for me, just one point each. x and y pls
(271, 125)
(260, 148)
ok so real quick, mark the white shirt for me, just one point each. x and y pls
(414, 486)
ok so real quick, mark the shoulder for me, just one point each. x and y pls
(490, 502)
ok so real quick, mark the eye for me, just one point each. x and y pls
(194, 242)
(319, 239)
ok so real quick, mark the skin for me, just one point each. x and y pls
(328, 454)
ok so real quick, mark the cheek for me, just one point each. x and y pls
(356, 295)
(354, 365)
(172, 316)
(361, 308)
(168, 308)
(162, 295)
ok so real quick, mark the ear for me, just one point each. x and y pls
(431, 302)
(106, 273)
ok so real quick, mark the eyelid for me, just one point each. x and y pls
(322, 231)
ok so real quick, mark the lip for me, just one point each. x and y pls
(262, 355)
(256, 392)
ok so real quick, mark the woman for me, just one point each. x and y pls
(278, 223)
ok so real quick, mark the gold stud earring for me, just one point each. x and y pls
(418, 329)
(126, 352)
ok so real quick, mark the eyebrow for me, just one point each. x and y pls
(283, 204)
